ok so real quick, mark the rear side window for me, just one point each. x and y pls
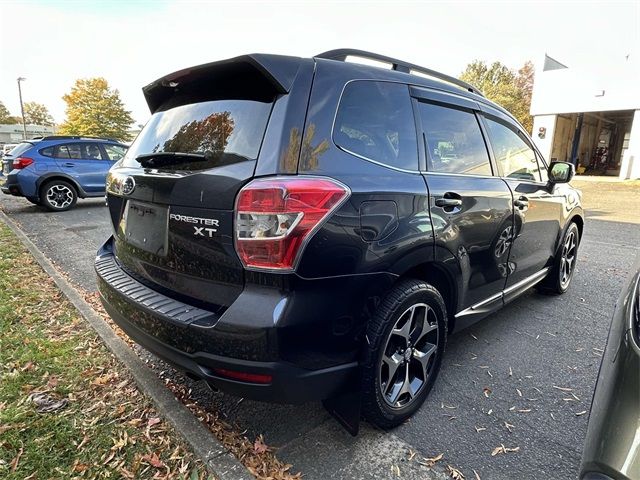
(515, 157)
(375, 120)
(454, 141)
(220, 131)
(20, 149)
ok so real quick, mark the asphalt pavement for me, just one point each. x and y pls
(522, 379)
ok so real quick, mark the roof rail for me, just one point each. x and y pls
(341, 55)
(74, 137)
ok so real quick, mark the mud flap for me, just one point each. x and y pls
(345, 408)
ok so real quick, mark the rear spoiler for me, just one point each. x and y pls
(261, 71)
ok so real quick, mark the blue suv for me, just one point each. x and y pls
(54, 171)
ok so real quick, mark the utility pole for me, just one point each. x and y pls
(24, 123)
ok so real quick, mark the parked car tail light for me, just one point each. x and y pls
(22, 162)
(276, 216)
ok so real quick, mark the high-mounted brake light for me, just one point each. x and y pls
(22, 162)
(276, 216)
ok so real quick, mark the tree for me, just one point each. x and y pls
(5, 116)
(37, 114)
(95, 109)
(510, 89)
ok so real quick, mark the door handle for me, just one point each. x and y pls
(449, 200)
(69, 164)
(522, 203)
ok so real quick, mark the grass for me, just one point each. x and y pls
(108, 429)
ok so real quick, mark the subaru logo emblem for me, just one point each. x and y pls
(128, 186)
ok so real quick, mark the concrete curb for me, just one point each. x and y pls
(202, 442)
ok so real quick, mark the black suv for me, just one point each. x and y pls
(292, 229)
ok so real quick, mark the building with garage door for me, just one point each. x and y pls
(589, 114)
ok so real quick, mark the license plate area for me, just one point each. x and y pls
(145, 227)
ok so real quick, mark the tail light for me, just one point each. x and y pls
(276, 216)
(22, 162)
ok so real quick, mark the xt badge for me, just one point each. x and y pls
(200, 231)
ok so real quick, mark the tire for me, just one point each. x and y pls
(58, 195)
(387, 399)
(33, 200)
(559, 278)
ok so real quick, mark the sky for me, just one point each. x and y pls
(131, 43)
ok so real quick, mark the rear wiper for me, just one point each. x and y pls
(163, 159)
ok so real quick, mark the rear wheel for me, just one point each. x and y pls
(58, 196)
(406, 341)
(561, 274)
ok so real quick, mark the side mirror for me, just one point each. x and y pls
(561, 172)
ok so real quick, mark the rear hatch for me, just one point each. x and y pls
(171, 198)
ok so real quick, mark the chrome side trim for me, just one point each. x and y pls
(524, 284)
(530, 281)
(474, 308)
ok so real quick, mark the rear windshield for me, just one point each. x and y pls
(223, 131)
(20, 149)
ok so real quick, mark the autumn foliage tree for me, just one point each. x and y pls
(508, 88)
(95, 109)
(5, 116)
(37, 114)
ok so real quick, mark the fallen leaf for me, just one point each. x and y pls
(508, 426)
(14, 462)
(83, 442)
(519, 392)
(502, 449)
(431, 461)
(259, 446)
(581, 413)
(454, 473)
(476, 474)
(480, 429)
(563, 389)
(153, 421)
(486, 391)
(153, 460)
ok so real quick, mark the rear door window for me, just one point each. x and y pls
(375, 121)
(514, 156)
(454, 141)
(91, 151)
(222, 131)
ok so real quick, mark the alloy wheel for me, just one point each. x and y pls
(568, 258)
(408, 358)
(60, 196)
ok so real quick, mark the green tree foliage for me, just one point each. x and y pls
(5, 116)
(512, 90)
(95, 109)
(37, 114)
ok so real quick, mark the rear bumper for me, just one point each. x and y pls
(11, 186)
(255, 335)
(289, 384)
